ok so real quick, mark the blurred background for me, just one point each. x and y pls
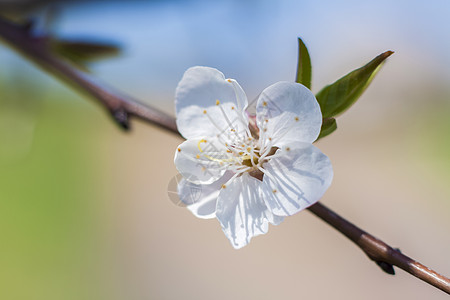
(84, 210)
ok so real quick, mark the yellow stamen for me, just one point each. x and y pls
(221, 161)
(199, 142)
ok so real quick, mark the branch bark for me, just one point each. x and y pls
(381, 253)
(122, 108)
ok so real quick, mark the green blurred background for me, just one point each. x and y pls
(84, 211)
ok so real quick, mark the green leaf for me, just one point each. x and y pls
(304, 65)
(328, 126)
(82, 52)
(340, 95)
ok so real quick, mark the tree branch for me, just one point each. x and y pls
(121, 108)
(378, 251)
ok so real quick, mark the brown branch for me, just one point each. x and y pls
(380, 252)
(121, 108)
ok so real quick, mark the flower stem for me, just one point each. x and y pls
(122, 108)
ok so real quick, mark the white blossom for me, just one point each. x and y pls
(249, 176)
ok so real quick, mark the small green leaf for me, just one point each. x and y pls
(304, 65)
(340, 95)
(328, 126)
(82, 52)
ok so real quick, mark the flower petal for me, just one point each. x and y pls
(288, 111)
(295, 178)
(242, 212)
(200, 161)
(201, 199)
(208, 104)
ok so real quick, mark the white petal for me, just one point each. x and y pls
(200, 161)
(296, 178)
(241, 210)
(274, 219)
(288, 111)
(198, 92)
(201, 199)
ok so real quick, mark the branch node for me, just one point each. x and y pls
(121, 117)
(28, 25)
(386, 267)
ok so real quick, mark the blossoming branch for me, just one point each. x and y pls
(333, 100)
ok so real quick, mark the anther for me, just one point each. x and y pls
(274, 191)
(224, 186)
(288, 149)
(217, 102)
(296, 119)
(229, 80)
(204, 111)
(179, 150)
(198, 156)
(264, 103)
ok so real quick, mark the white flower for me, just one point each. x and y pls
(249, 176)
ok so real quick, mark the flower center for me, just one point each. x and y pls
(245, 151)
(248, 161)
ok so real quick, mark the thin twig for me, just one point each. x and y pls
(121, 108)
(378, 251)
